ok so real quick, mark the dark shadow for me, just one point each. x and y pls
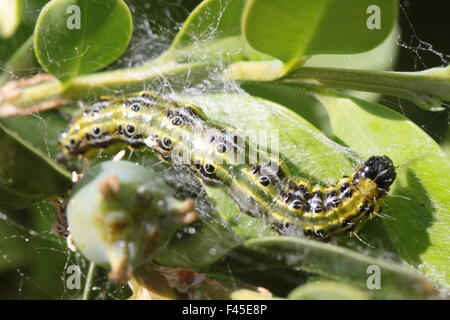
(415, 214)
(405, 236)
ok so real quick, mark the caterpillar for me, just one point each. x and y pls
(261, 186)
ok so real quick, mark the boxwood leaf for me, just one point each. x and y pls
(212, 32)
(10, 16)
(74, 37)
(26, 174)
(292, 29)
(341, 264)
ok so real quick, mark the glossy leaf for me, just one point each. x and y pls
(8, 47)
(220, 18)
(292, 29)
(209, 242)
(26, 174)
(74, 37)
(213, 32)
(32, 8)
(23, 63)
(10, 16)
(419, 202)
(41, 132)
(344, 265)
(304, 104)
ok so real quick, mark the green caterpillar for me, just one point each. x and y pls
(261, 184)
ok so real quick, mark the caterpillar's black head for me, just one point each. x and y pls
(380, 169)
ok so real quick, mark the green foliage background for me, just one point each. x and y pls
(32, 261)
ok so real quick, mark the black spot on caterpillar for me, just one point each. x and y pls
(261, 187)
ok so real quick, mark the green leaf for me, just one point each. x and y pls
(25, 29)
(419, 201)
(10, 16)
(220, 18)
(212, 32)
(21, 64)
(292, 29)
(211, 241)
(343, 265)
(32, 10)
(26, 174)
(10, 45)
(301, 101)
(40, 131)
(74, 37)
(382, 57)
(12, 247)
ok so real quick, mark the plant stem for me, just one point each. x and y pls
(89, 282)
(154, 73)
(428, 89)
